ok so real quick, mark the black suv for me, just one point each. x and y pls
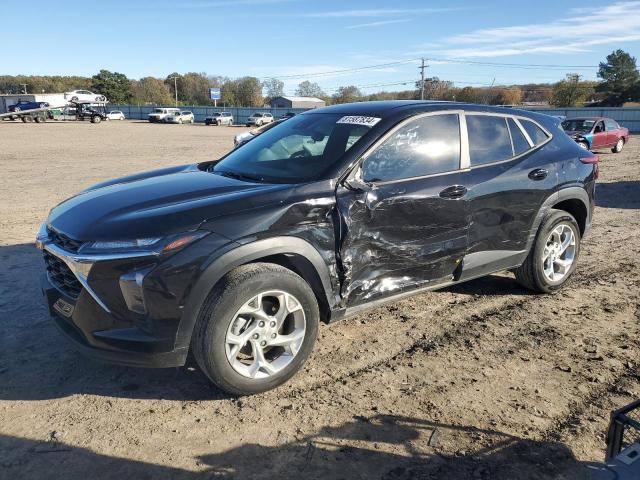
(333, 211)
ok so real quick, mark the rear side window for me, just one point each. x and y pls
(520, 144)
(424, 146)
(611, 125)
(536, 134)
(489, 139)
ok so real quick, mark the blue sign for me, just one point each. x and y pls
(214, 93)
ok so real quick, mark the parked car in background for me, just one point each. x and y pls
(244, 137)
(23, 105)
(84, 96)
(259, 119)
(234, 260)
(115, 115)
(159, 114)
(592, 133)
(219, 118)
(180, 117)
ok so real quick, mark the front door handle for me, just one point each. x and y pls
(454, 191)
(538, 174)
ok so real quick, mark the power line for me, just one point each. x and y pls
(444, 60)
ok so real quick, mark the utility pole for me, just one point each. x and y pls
(24, 88)
(175, 87)
(422, 67)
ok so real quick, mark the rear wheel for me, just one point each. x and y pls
(256, 329)
(584, 145)
(619, 146)
(554, 254)
(96, 119)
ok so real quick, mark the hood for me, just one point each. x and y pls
(158, 203)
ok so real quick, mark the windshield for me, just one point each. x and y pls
(158, 110)
(295, 151)
(578, 125)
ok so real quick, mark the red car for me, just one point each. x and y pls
(593, 133)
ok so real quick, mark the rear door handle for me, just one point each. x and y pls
(538, 174)
(454, 191)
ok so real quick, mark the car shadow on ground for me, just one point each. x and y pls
(388, 447)
(625, 194)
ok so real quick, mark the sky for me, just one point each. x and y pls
(379, 43)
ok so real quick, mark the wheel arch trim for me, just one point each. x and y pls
(243, 254)
(568, 193)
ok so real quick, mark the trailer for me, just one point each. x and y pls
(94, 112)
(38, 115)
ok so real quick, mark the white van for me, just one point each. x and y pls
(159, 114)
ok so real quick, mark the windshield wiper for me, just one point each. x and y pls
(239, 176)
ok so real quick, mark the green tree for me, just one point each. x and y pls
(249, 92)
(571, 91)
(347, 95)
(150, 90)
(436, 89)
(309, 89)
(273, 88)
(620, 78)
(113, 85)
(228, 92)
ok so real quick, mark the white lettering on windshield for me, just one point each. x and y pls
(359, 120)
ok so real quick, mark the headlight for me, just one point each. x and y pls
(152, 245)
(123, 244)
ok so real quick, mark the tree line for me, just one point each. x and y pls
(619, 83)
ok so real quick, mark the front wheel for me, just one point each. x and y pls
(96, 119)
(554, 254)
(619, 146)
(256, 329)
(584, 145)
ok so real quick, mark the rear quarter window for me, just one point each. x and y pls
(536, 134)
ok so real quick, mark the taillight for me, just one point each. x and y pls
(592, 160)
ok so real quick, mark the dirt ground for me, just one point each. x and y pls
(480, 381)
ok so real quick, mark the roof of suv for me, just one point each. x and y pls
(388, 108)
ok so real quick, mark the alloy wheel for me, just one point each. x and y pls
(559, 253)
(265, 334)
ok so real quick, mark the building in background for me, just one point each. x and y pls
(297, 102)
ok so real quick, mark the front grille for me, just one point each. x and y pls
(61, 276)
(63, 241)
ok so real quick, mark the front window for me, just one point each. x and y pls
(158, 110)
(578, 125)
(424, 146)
(296, 151)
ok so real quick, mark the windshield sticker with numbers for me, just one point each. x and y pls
(359, 120)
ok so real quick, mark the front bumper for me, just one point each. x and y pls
(97, 312)
(86, 325)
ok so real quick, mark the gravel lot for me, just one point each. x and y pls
(482, 381)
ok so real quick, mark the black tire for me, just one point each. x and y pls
(619, 146)
(74, 99)
(584, 145)
(216, 314)
(16, 109)
(24, 119)
(40, 119)
(96, 119)
(530, 274)
(27, 118)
